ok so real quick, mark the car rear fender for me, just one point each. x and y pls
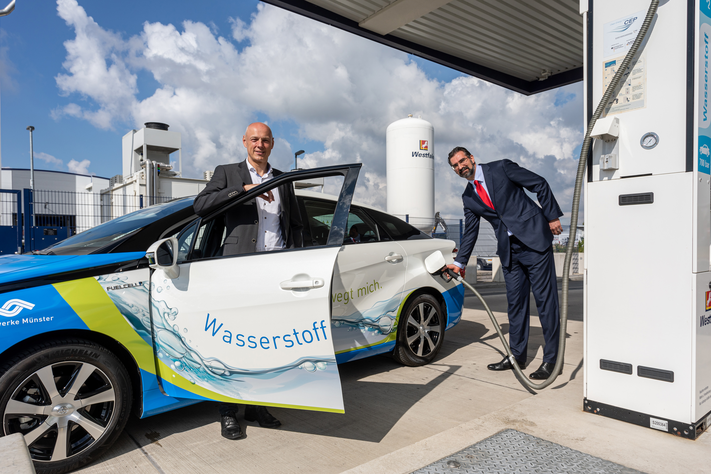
(449, 294)
(428, 290)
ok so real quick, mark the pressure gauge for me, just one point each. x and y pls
(649, 140)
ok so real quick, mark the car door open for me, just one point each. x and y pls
(253, 328)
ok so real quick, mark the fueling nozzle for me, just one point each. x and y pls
(436, 265)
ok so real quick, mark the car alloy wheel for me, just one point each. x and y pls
(69, 399)
(420, 331)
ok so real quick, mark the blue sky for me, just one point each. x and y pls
(85, 72)
(32, 40)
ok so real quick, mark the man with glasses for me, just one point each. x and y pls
(524, 231)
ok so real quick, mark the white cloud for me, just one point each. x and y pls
(79, 167)
(239, 29)
(74, 166)
(96, 68)
(47, 158)
(338, 89)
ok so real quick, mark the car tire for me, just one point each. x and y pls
(39, 391)
(420, 331)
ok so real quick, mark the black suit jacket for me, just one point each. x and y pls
(513, 210)
(241, 222)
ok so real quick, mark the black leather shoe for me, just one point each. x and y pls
(230, 426)
(543, 372)
(505, 364)
(262, 416)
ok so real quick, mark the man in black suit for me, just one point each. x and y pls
(524, 231)
(270, 222)
(245, 226)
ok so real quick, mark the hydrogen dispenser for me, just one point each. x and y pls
(648, 217)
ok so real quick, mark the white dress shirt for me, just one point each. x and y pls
(479, 176)
(269, 235)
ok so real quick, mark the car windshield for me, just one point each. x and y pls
(115, 230)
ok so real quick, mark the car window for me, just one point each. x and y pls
(233, 225)
(214, 239)
(360, 228)
(116, 233)
(210, 239)
(319, 214)
(185, 241)
(392, 228)
(317, 222)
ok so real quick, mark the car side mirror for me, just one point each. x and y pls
(163, 255)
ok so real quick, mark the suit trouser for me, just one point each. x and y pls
(534, 271)
(228, 408)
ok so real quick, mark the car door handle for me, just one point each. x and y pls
(301, 284)
(393, 258)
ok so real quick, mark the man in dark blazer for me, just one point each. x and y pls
(524, 231)
(242, 222)
(270, 222)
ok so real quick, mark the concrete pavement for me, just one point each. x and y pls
(556, 415)
(15, 456)
(399, 419)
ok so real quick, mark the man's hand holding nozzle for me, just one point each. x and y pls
(458, 272)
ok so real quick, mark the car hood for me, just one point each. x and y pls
(15, 268)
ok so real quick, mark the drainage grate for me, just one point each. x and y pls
(513, 452)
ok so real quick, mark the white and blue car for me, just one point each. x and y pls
(142, 314)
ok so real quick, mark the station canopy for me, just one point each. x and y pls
(528, 46)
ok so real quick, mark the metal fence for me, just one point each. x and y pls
(75, 212)
(33, 220)
(10, 229)
(486, 242)
(81, 211)
(9, 205)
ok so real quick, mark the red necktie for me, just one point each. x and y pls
(482, 194)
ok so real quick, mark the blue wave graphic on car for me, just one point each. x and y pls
(132, 303)
(381, 317)
(174, 348)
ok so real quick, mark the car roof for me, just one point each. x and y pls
(331, 197)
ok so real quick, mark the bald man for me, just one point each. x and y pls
(269, 222)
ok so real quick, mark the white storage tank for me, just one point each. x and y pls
(410, 171)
